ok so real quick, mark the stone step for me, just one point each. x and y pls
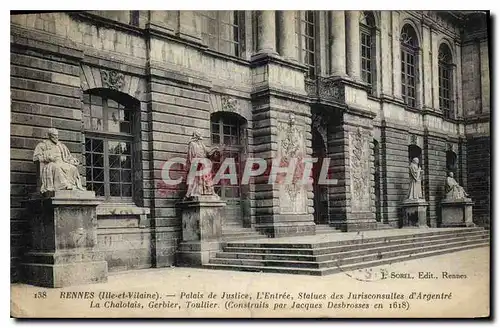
(333, 247)
(324, 247)
(325, 229)
(344, 268)
(341, 261)
(359, 240)
(239, 233)
(348, 253)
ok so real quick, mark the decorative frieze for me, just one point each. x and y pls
(326, 88)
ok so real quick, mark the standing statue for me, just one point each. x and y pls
(415, 191)
(58, 169)
(453, 189)
(201, 185)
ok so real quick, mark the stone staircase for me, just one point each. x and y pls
(235, 232)
(319, 255)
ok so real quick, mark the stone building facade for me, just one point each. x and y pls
(368, 90)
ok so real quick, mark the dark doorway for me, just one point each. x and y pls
(320, 191)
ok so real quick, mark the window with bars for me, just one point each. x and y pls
(367, 38)
(305, 32)
(445, 66)
(409, 55)
(225, 130)
(108, 147)
(222, 31)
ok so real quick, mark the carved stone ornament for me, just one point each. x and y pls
(290, 143)
(413, 140)
(360, 171)
(331, 89)
(112, 79)
(229, 104)
(293, 197)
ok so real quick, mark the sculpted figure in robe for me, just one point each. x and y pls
(453, 189)
(58, 168)
(200, 185)
(415, 191)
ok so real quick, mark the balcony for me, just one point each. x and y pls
(326, 89)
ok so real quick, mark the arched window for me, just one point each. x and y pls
(409, 60)
(367, 44)
(445, 64)
(109, 127)
(305, 32)
(222, 31)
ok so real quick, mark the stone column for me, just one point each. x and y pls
(352, 44)
(435, 69)
(337, 43)
(396, 53)
(286, 38)
(266, 31)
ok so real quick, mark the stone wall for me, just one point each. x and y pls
(45, 92)
(479, 178)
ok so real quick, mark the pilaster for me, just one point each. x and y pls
(337, 43)
(352, 45)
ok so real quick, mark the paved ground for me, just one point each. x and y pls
(177, 288)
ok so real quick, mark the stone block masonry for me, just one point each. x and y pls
(479, 178)
(45, 93)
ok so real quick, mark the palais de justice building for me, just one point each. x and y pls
(369, 90)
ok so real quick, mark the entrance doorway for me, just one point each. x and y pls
(320, 191)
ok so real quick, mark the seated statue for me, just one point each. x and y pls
(58, 169)
(453, 189)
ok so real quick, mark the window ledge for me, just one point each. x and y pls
(222, 55)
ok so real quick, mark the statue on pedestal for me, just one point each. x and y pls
(58, 168)
(200, 185)
(415, 191)
(415, 206)
(453, 190)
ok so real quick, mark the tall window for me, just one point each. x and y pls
(409, 56)
(222, 31)
(305, 32)
(108, 141)
(225, 130)
(445, 65)
(367, 37)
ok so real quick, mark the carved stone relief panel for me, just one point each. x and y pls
(291, 145)
(112, 79)
(359, 159)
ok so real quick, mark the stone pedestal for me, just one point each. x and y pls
(63, 246)
(202, 219)
(457, 213)
(414, 214)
